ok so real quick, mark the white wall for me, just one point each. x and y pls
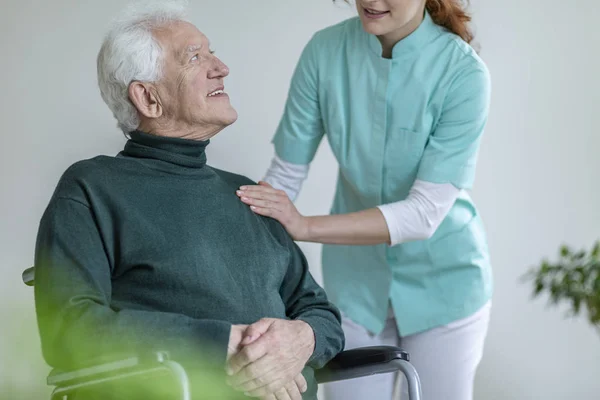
(537, 183)
(538, 187)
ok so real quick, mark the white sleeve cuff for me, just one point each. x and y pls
(286, 176)
(419, 215)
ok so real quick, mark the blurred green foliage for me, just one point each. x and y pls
(574, 278)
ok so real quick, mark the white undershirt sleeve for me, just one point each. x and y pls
(286, 176)
(415, 218)
(419, 215)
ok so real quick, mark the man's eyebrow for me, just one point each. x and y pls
(191, 49)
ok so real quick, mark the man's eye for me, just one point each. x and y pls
(211, 51)
(195, 58)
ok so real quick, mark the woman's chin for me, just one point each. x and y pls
(374, 27)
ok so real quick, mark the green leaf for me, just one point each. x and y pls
(529, 275)
(596, 250)
(539, 286)
(580, 255)
(554, 293)
(593, 311)
(596, 286)
(544, 268)
(576, 305)
(575, 278)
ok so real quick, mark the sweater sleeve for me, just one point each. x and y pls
(305, 300)
(73, 301)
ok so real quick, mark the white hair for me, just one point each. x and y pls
(130, 52)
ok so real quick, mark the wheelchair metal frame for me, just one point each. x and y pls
(348, 364)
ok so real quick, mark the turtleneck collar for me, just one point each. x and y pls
(419, 38)
(183, 152)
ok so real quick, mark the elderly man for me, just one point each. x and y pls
(152, 250)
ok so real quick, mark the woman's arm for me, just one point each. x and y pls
(367, 227)
(415, 218)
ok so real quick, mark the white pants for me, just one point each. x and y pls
(446, 359)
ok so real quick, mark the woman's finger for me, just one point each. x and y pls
(262, 203)
(260, 196)
(267, 212)
(258, 188)
(264, 191)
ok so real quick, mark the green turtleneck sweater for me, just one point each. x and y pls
(152, 250)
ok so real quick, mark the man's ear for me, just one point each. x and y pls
(145, 99)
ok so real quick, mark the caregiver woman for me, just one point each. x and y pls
(403, 99)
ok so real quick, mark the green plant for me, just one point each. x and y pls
(574, 278)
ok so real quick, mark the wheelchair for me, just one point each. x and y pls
(348, 364)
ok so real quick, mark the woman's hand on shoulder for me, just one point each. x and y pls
(264, 200)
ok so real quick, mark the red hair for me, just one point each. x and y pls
(452, 15)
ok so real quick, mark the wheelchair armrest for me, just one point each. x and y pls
(103, 372)
(67, 382)
(361, 362)
(29, 276)
(102, 367)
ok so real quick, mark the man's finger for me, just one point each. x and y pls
(249, 338)
(287, 393)
(293, 391)
(247, 355)
(256, 330)
(301, 383)
(277, 388)
(256, 375)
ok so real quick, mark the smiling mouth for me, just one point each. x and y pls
(216, 93)
(374, 13)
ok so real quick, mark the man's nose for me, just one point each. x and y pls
(218, 69)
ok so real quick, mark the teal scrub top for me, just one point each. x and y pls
(419, 115)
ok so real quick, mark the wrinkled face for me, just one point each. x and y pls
(384, 17)
(192, 91)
